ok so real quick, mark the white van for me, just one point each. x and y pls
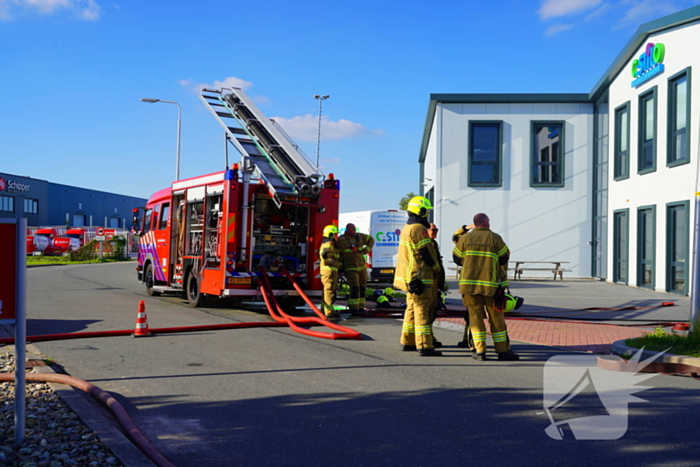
(385, 227)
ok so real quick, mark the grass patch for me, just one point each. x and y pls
(661, 340)
(59, 260)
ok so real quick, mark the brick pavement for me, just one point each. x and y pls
(575, 335)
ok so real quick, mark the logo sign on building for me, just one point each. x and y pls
(648, 64)
(13, 186)
(8, 259)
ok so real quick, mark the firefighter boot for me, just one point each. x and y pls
(480, 356)
(429, 353)
(408, 348)
(508, 356)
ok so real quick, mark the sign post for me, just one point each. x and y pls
(13, 306)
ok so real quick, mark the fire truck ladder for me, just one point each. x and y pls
(279, 162)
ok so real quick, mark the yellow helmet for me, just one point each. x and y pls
(330, 230)
(419, 205)
(513, 302)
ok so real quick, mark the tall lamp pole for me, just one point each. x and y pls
(179, 125)
(320, 100)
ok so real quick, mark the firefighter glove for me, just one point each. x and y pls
(416, 286)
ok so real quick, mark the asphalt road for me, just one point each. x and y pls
(275, 397)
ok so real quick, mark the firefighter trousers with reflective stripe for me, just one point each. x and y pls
(357, 280)
(416, 328)
(480, 307)
(329, 279)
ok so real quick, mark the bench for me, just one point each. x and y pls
(555, 268)
(457, 270)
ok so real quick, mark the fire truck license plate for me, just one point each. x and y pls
(387, 271)
(239, 280)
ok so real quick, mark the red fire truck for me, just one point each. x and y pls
(209, 235)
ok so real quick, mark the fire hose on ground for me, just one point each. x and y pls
(130, 428)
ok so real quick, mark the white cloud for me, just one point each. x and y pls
(598, 12)
(557, 28)
(47, 6)
(557, 8)
(90, 10)
(305, 128)
(640, 11)
(86, 10)
(230, 82)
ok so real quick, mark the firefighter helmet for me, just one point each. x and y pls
(419, 205)
(513, 302)
(330, 230)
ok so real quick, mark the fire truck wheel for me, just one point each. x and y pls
(194, 295)
(148, 279)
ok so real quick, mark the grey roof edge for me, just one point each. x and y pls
(680, 18)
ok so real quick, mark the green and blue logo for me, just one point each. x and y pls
(649, 64)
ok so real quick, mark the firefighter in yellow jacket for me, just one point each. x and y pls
(354, 246)
(330, 262)
(483, 256)
(416, 270)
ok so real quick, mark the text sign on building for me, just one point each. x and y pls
(8, 260)
(649, 64)
(13, 186)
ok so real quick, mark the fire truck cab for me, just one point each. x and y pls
(209, 235)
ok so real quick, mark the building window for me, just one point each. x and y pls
(31, 206)
(547, 154)
(7, 204)
(647, 132)
(677, 247)
(620, 245)
(679, 118)
(485, 143)
(646, 246)
(622, 142)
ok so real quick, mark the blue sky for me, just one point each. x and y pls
(74, 71)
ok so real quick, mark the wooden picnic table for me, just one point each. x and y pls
(555, 268)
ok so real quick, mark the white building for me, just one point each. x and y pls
(602, 180)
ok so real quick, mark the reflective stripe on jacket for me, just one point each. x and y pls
(482, 252)
(410, 264)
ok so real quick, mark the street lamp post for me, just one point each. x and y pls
(179, 124)
(318, 139)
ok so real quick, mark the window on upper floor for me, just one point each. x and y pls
(647, 132)
(485, 154)
(679, 118)
(547, 154)
(31, 206)
(622, 142)
(7, 204)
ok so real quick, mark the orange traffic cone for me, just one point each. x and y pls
(141, 321)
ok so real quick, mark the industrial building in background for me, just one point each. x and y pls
(601, 182)
(46, 203)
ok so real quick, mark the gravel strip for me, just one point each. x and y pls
(55, 435)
